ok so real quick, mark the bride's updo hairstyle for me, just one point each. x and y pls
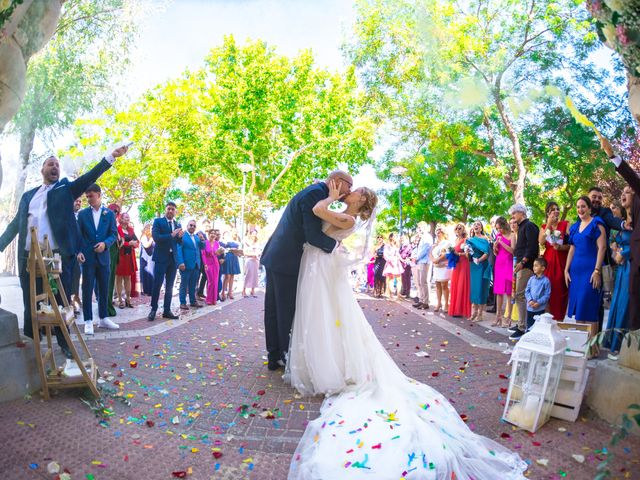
(369, 204)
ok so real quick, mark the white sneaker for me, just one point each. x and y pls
(88, 328)
(106, 323)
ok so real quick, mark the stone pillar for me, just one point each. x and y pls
(19, 373)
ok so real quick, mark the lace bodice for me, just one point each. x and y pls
(336, 233)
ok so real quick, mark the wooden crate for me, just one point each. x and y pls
(573, 381)
(578, 334)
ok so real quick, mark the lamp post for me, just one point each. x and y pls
(399, 171)
(244, 168)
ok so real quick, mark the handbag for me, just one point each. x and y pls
(607, 278)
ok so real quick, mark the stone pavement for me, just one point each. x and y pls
(203, 404)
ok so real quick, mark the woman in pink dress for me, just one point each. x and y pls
(252, 264)
(393, 268)
(503, 271)
(211, 267)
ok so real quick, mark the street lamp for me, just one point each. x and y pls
(400, 172)
(244, 168)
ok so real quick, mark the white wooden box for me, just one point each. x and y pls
(573, 381)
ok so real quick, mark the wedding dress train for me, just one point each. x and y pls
(376, 423)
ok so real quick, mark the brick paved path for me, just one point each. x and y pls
(203, 402)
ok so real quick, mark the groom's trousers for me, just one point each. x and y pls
(279, 308)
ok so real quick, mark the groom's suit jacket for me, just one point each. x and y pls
(298, 225)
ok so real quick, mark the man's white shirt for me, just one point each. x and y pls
(96, 216)
(38, 217)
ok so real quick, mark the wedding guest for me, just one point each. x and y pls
(491, 301)
(114, 258)
(98, 231)
(633, 180)
(583, 272)
(231, 266)
(525, 252)
(251, 251)
(393, 267)
(610, 223)
(167, 234)
(202, 279)
(617, 210)
(479, 269)
(460, 298)
(188, 259)
(378, 268)
(537, 292)
(503, 245)
(619, 310)
(371, 273)
(49, 207)
(126, 260)
(405, 253)
(441, 274)
(211, 266)
(76, 302)
(553, 236)
(146, 264)
(134, 273)
(423, 261)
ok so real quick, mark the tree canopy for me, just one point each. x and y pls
(290, 120)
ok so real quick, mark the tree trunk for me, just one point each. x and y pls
(633, 86)
(26, 146)
(517, 187)
(432, 227)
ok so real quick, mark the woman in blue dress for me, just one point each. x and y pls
(478, 248)
(231, 266)
(619, 311)
(583, 273)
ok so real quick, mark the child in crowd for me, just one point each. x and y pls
(537, 292)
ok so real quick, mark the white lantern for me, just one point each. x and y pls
(537, 361)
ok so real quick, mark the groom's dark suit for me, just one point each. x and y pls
(281, 258)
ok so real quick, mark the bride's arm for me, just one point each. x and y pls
(321, 210)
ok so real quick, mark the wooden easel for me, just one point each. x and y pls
(47, 314)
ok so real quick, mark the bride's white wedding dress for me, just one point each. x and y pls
(376, 423)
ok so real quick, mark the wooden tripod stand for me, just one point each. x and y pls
(44, 268)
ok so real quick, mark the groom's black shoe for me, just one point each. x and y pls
(274, 365)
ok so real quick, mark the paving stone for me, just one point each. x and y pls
(209, 372)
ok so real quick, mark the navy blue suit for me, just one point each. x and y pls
(165, 256)
(63, 225)
(189, 253)
(281, 258)
(96, 268)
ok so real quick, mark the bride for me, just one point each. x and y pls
(376, 423)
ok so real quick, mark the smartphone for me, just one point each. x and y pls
(128, 144)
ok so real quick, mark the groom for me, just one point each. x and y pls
(281, 259)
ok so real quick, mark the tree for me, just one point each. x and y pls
(445, 183)
(481, 57)
(290, 120)
(72, 75)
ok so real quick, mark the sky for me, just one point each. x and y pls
(177, 35)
